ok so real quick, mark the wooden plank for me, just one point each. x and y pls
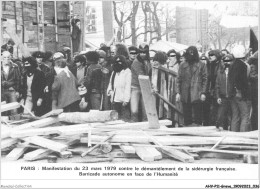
(170, 94)
(97, 145)
(173, 140)
(46, 143)
(34, 124)
(154, 78)
(10, 106)
(144, 154)
(8, 142)
(161, 92)
(176, 154)
(53, 113)
(65, 154)
(134, 126)
(43, 153)
(127, 149)
(156, 153)
(218, 155)
(37, 154)
(16, 153)
(165, 95)
(220, 140)
(149, 102)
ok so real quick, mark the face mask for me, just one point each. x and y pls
(227, 63)
(29, 70)
(117, 67)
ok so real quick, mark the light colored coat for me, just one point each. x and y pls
(122, 86)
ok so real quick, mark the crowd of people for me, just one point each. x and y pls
(215, 88)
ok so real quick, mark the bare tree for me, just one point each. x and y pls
(124, 16)
(133, 21)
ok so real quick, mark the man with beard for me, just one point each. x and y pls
(119, 88)
(191, 86)
(33, 84)
(140, 66)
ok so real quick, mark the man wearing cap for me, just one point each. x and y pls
(133, 51)
(140, 66)
(49, 81)
(39, 55)
(224, 91)
(10, 80)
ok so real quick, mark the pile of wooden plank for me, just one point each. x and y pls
(99, 136)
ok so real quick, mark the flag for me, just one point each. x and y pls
(253, 41)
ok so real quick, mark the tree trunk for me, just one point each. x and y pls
(133, 23)
(144, 5)
(87, 117)
(156, 21)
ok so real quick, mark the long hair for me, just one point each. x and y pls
(121, 49)
(192, 54)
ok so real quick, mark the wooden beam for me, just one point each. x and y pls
(53, 113)
(144, 154)
(46, 143)
(149, 102)
(169, 103)
(173, 140)
(89, 117)
(10, 106)
(127, 149)
(220, 140)
(97, 145)
(156, 153)
(65, 154)
(37, 154)
(34, 124)
(8, 142)
(176, 154)
(16, 153)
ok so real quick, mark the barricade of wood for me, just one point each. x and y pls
(112, 138)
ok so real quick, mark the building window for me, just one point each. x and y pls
(91, 20)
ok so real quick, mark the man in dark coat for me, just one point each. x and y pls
(253, 78)
(140, 66)
(240, 89)
(211, 106)
(76, 34)
(39, 55)
(33, 84)
(93, 80)
(191, 86)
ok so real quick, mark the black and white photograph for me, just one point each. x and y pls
(129, 94)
